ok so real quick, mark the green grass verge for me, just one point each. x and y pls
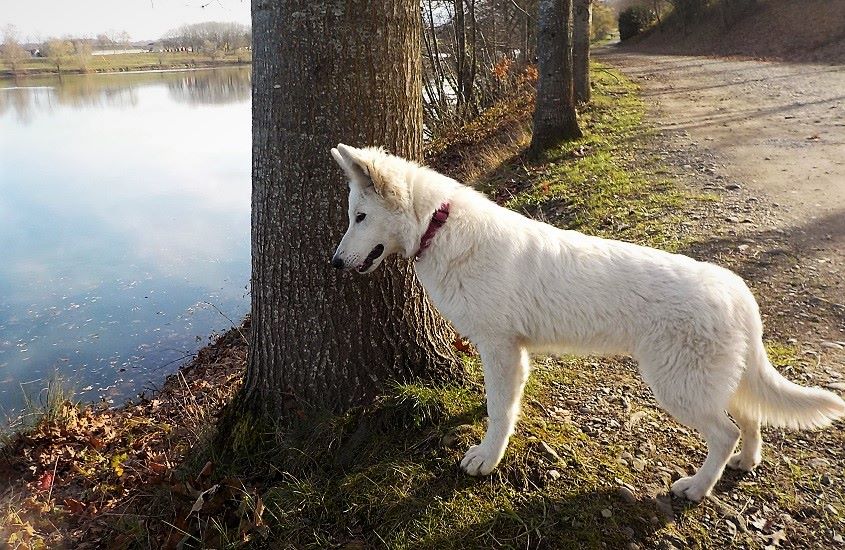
(125, 62)
(388, 476)
(603, 184)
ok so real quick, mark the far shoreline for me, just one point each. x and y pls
(26, 73)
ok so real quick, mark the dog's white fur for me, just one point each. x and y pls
(513, 285)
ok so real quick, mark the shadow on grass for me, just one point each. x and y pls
(571, 521)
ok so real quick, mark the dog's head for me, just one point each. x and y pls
(379, 224)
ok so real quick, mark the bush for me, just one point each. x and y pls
(634, 20)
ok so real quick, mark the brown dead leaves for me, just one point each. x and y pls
(214, 514)
(65, 479)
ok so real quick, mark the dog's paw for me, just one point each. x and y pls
(739, 461)
(479, 461)
(690, 488)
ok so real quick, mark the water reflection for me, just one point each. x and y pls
(224, 87)
(124, 212)
(201, 87)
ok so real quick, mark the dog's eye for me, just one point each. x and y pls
(360, 217)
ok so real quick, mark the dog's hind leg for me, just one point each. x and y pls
(751, 452)
(505, 373)
(695, 388)
(721, 436)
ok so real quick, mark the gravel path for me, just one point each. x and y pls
(768, 139)
(771, 136)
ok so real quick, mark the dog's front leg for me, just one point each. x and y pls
(505, 373)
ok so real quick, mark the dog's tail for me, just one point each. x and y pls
(763, 393)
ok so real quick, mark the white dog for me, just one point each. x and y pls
(513, 285)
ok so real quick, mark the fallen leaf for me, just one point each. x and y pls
(75, 506)
(45, 481)
(204, 497)
(157, 468)
(117, 463)
(759, 522)
(463, 346)
(777, 537)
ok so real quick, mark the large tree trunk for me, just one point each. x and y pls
(583, 19)
(554, 113)
(326, 72)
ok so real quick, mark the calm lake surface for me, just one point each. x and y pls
(124, 226)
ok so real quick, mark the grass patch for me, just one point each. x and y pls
(782, 355)
(126, 62)
(603, 184)
(387, 476)
(51, 403)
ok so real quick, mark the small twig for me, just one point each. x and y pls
(53, 480)
(616, 78)
(186, 356)
(540, 405)
(234, 326)
(520, 8)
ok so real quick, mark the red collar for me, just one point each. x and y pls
(437, 220)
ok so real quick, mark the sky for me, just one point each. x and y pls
(35, 20)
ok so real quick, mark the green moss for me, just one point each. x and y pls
(781, 355)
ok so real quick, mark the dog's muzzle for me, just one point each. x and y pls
(371, 257)
(375, 254)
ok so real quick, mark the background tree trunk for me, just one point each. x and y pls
(326, 72)
(460, 51)
(554, 113)
(582, 23)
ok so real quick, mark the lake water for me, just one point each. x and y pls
(124, 226)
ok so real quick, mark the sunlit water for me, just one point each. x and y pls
(124, 226)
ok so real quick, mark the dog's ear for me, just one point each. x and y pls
(361, 169)
(349, 159)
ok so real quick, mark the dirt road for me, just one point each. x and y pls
(770, 137)
(768, 140)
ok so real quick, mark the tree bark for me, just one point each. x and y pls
(325, 72)
(469, 83)
(459, 24)
(554, 113)
(582, 23)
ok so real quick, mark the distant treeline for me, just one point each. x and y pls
(213, 40)
(210, 37)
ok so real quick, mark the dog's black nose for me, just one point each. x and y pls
(337, 263)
